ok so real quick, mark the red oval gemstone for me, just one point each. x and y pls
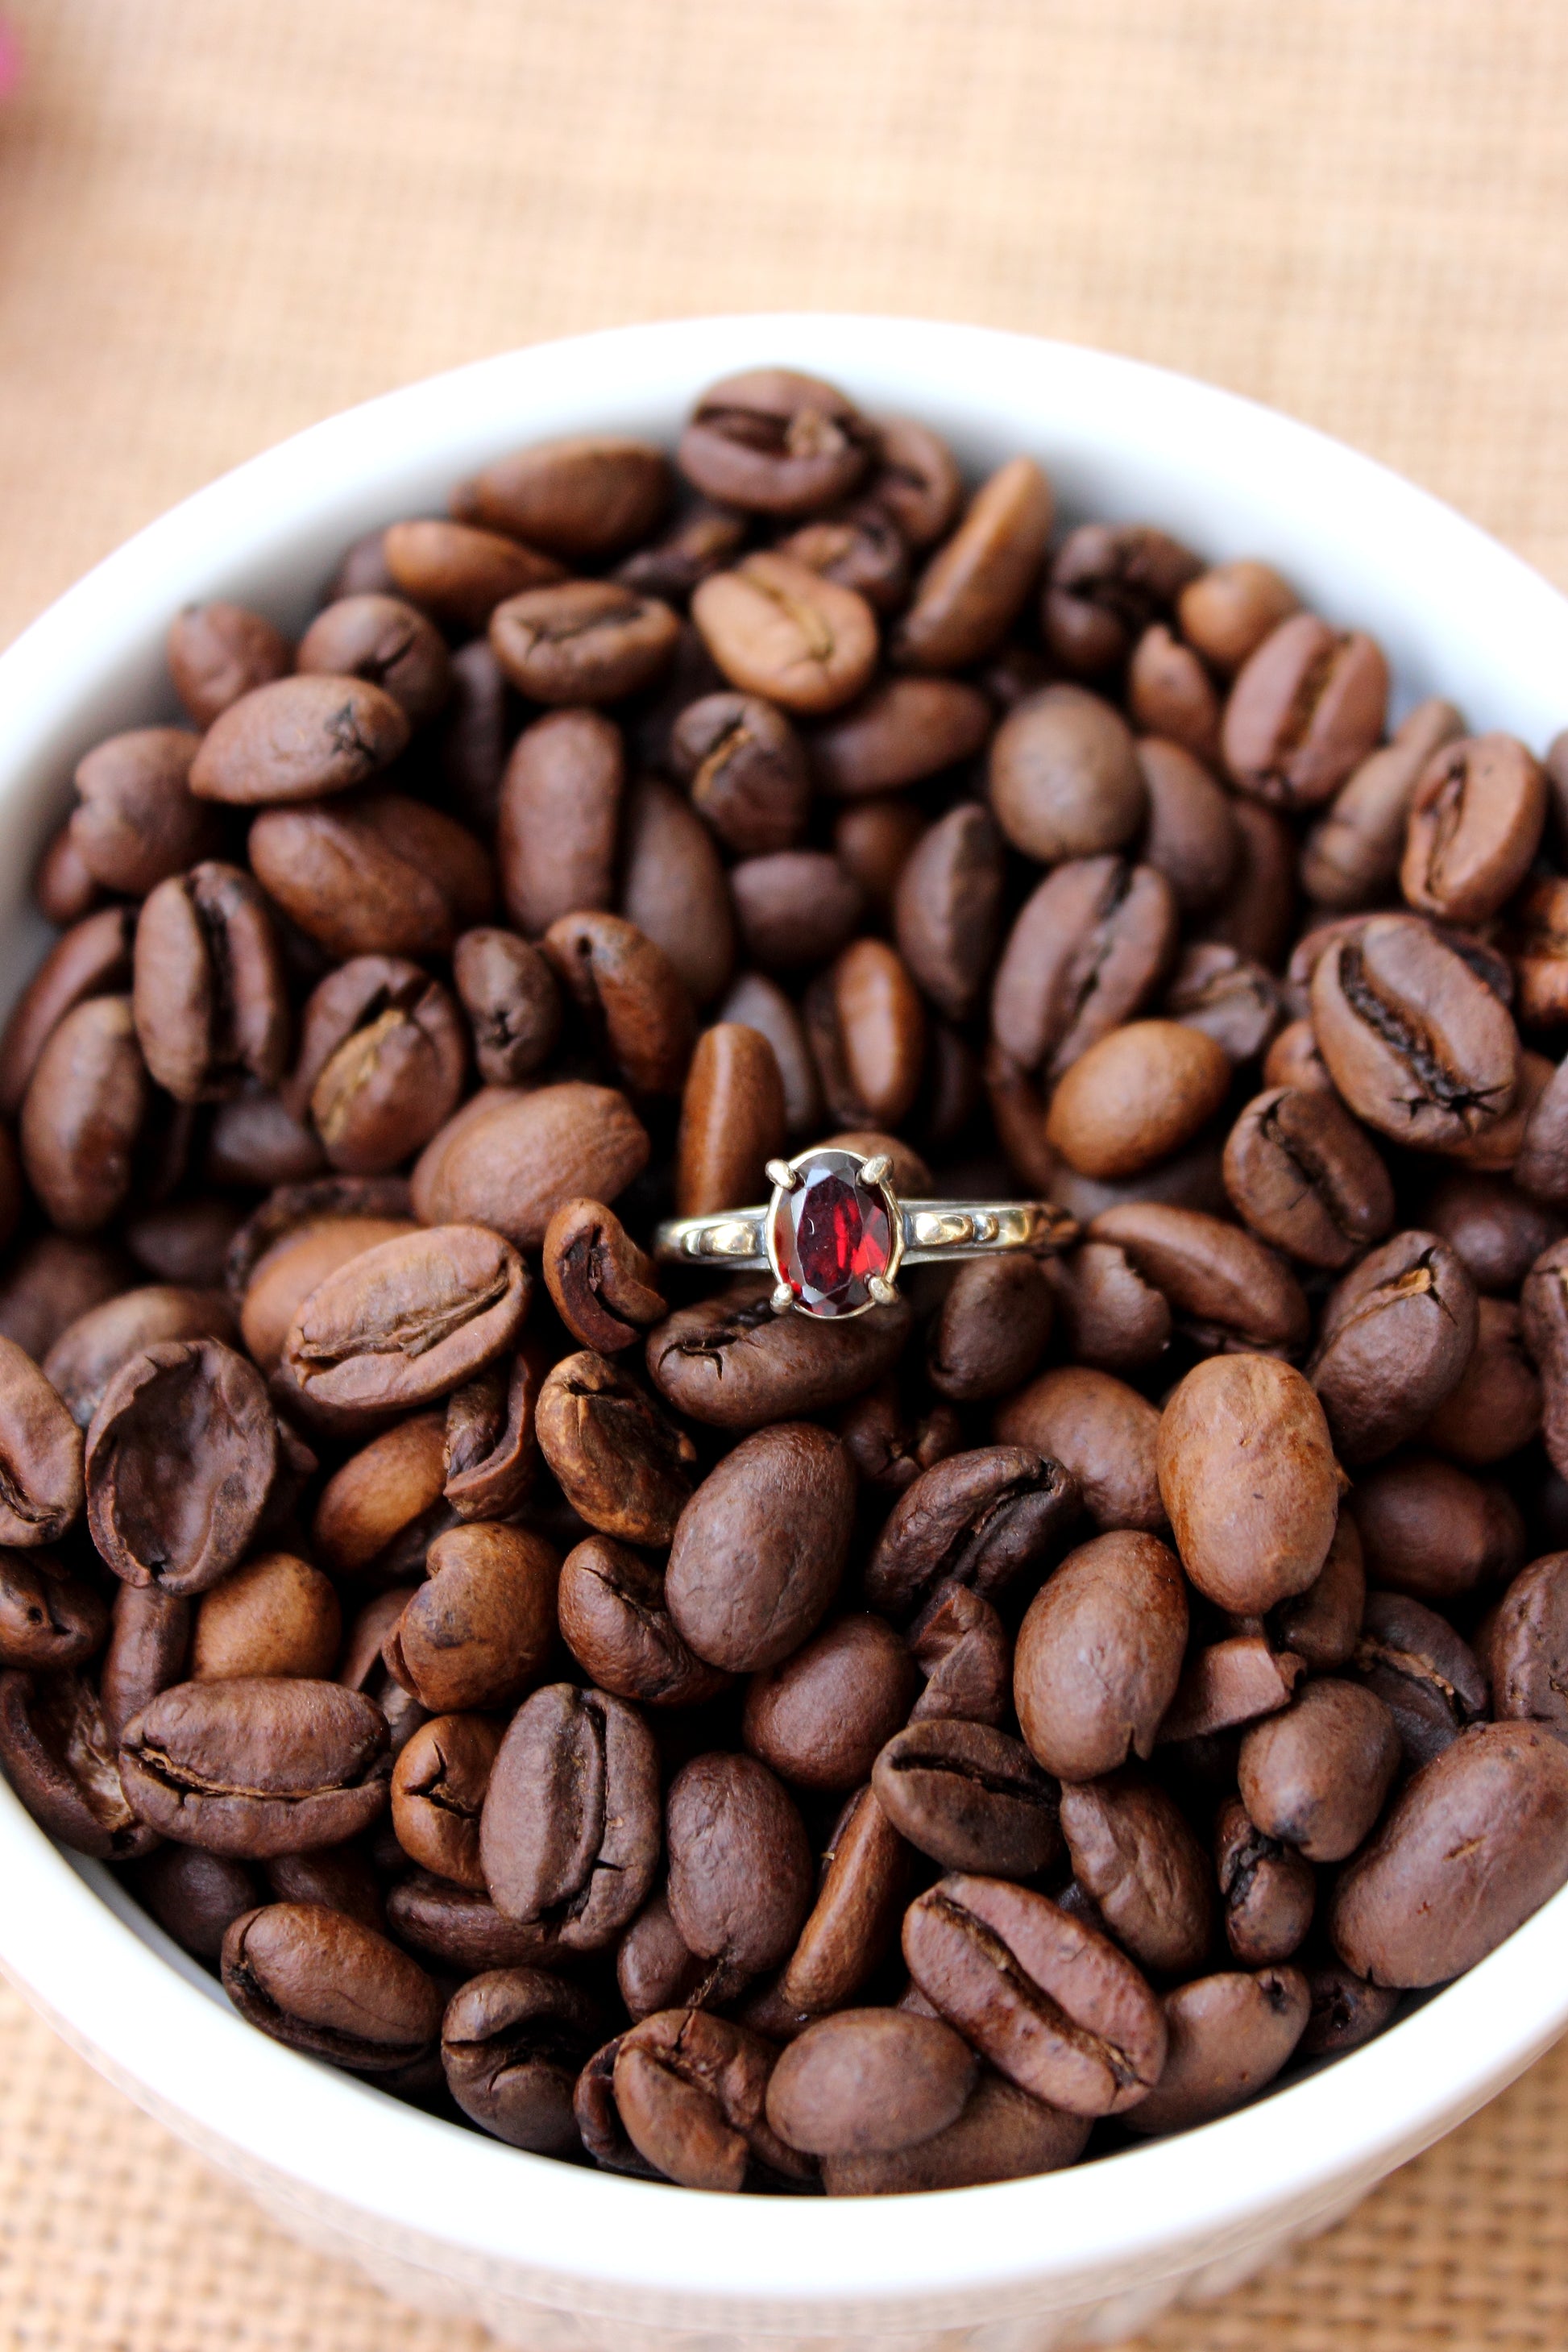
(831, 1234)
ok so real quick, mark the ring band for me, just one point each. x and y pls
(836, 1234)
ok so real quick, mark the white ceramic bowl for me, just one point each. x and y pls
(544, 2253)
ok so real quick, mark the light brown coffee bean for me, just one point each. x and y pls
(600, 1282)
(406, 1321)
(623, 1465)
(732, 1122)
(585, 496)
(275, 1614)
(1120, 1599)
(1246, 1474)
(509, 1160)
(459, 573)
(1227, 610)
(1135, 1096)
(778, 629)
(870, 2081)
(759, 1550)
(296, 739)
(977, 581)
(1306, 705)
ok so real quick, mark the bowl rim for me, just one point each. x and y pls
(121, 1999)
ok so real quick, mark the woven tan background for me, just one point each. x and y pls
(220, 220)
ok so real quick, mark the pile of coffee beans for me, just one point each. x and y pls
(752, 1751)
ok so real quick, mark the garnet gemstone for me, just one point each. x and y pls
(831, 1234)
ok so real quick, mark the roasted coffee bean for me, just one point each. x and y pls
(860, 547)
(1537, 942)
(509, 1160)
(1136, 1096)
(512, 1000)
(1346, 2011)
(1227, 610)
(218, 651)
(1065, 780)
(406, 1321)
(254, 1139)
(631, 994)
(1474, 1844)
(91, 1350)
(758, 1551)
(1304, 1176)
(86, 1105)
(1521, 1647)
(1352, 855)
(382, 1062)
(968, 1797)
(1223, 1287)
(1415, 1042)
(274, 1615)
(1430, 1529)
(976, 583)
(379, 1509)
(93, 959)
(1192, 837)
(1246, 1474)
(570, 1831)
(455, 572)
(1107, 583)
(689, 2089)
(481, 1627)
(622, 1464)
(1002, 2134)
(854, 1922)
(874, 840)
(1049, 2000)
(489, 1451)
(1133, 1853)
(702, 538)
(868, 1030)
(463, 1931)
(1171, 694)
(673, 888)
(947, 908)
(1321, 1624)
(820, 1718)
(868, 2082)
(583, 640)
(1495, 1230)
(1305, 708)
(905, 729)
(40, 1455)
(778, 629)
(559, 818)
(1121, 1599)
(64, 892)
(1495, 1407)
(195, 1896)
(774, 442)
(1256, 914)
(296, 739)
(59, 1759)
(744, 766)
(1102, 1433)
(615, 1624)
(798, 907)
(1088, 950)
(731, 1362)
(980, 1519)
(256, 1766)
(438, 1785)
(51, 1617)
(384, 875)
(598, 2117)
(209, 993)
(600, 1282)
(1229, 2036)
(888, 1447)
(1395, 1335)
(740, 1867)
(915, 476)
(732, 1122)
(966, 1653)
(150, 1636)
(1268, 1890)
(585, 496)
(1430, 1681)
(1228, 997)
(340, 1878)
(1229, 1683)
(181, 1456)
(386, 641)
(513, 2042)
(992, 1330)
(1476, 820)
(135, 821)
(1315, 1776)
(655, 1970)
(1110, 1317)
(318, 1982)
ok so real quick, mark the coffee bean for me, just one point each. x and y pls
(1267, 1889)
(1135, 1096)
(1171, 693)
(1495, 1406)
(582, 641)
(1088, 950)
(1315, 1777)
(1191, 837)
(732, 1122)
(631, 994)
(979, 1519)
(560, 809)
(966, 1653)
(406, 1321)
(197, 1404)
(701, 538)
(86, 1105)
(774, 442)
(1246, 1474)
(135, 823)
(731, 1363)
(149, 1640)
(905, 729)
(195, 1896)
(1496, 1230)
(88, 1352)
(1346, 2011)
(1417, 1043)
(1133, 1853)
(1065, 780)
(480, 1628)
(457, 573)
(992, 1330)
(622, 1464)
(63, 889)
(979, 579)
(1255, 916)
(218, 651)
(1521, 1646)
(50, 1618)
(854, 1922)
(1228, 1683)
(386, 641)
(274, 1615)
(570, 1831)
(513, 2042)
(1475, 1842)
(509, 1160)
(777, 629)
(689, 2091)
(1107, 583)
(463, 1931)
(1430, 1529)
(93, 959)
(1102, 1433)
(615, 1624)
(296, 739)
(820, 1717)
(1002, 2134)
(318, 1982)
(1304, 1175)
(1227, 610)
(798, 907)
(1321, 1624)
(1120, 1598)
(744, 766)
(256, 1766)
(1395, 1336)
(1226, 996)
(1352, 855)
(489, 1451)
(384, 875)
(1430, 1681)
(1111, 1318)
(1229, 2035)
(868, 1030)
(758, 1552)
(1476, 819)
(740, 1867)
(968, 1797)
(1306, 705)
(600, 1282)
(586, 495)
(438, 1785)
(868, 2082)
(382, 1062)
(512, 1000)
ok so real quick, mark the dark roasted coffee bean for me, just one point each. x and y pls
(1430, 1681)
(980, 1519)
(1522, 1646)
(481, 1627)
(759, 1550)
(195, 1896)
(438, 1785)
(1246, 1474)
(1224, 1287)
(209, 992)
(874, 840)
(59, 1758)
(585, 496)
(1431, 1530)
(1321, 1625)
(820, 1717)
(1064, 777)
(888, 1447)
(868, 1030)
(513, 2042)
(1267, 1889)
(798, 907)
(744, 766)
(622, 1464)
(382, 1062)
(218, 651)
(701, 538)
(1395, 1335)
(1352, 855)
(51, 1617)
(512, 1000)
(774, 442)
(947, 908)
(1302, 1174)
(93, 959)
(1475, 1842)
(1497, 1405)
(1229, 998)
(1049, 2000)
(1192, 837)
(654, 1969)
(386, 641)
(583, 640)
(1088, 950)
(689, 2091)
(1171, 694)
(732, 1122)
(1495, 1231)
(41, 1482)
(275, 1614)
(740, 1867)
(1256, 914)
(1121, 1599)
(1315, 1776)
(915, 476)
(1111, 1318)
(600, 1282)
(860, 546)
(257, 1767)
(977, 581)
(966, 1653)
(632, 995)
(992, 1330)
(296, 739)
(905, 729)
(570, 1831)
(968, 1797)
(181, 1456)
(318, 1981)
(731, 1362)
(1002, 2134)
(1476, 819)
(869, 2081)
(1229, 2036)
(86, 1105)
(615, 1624)
(854, 1922)
(340, 1878)
(1306, 707)
(464, 1932)
(1136, 1096)
(149, 1640)
(1133, 1853)
(1229, 1683)
(1417, 1043)
(255, 1139)
(406, 1321)
(489, 1451)
(384, 875)
(1107, 582)
(509, 1160)
(1346, 2011)
(135, 823)
(1104, 1435)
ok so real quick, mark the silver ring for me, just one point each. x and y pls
(834, 1233)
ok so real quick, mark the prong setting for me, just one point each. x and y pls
(783, 1299)
(883, 1292)
(877, 1169)
(779, 1174)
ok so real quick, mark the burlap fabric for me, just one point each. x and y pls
(220, 221)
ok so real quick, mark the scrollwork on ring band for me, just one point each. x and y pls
(836, 1234)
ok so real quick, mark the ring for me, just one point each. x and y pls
(834, 1233)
